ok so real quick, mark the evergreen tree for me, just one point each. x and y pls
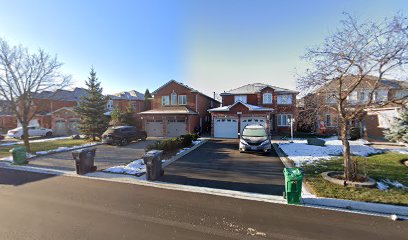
(147, 97)
(116, 117)
(128, 116)
(399, 130)
(92, 108)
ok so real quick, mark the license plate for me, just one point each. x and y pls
(254, 148)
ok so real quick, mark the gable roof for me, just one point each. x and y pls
(130, 95)
(184, 85)
(255, 88)
(170, 110)
(62, 95)
(249, 106)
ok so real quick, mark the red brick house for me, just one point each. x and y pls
(55, 110)
(256, 103)
(177, 109)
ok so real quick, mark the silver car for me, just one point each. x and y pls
(254, 138)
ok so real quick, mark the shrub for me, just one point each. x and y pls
(173, 143)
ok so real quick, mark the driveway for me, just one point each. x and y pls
(106, 156)
(218, 164)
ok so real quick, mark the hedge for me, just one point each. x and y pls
(173, 143)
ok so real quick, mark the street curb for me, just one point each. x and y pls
(178, 156)
(343, 204)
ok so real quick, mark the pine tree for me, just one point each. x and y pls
(147, 97)
(399, 130)
(116, 117)
(128, 117)
(92, 108)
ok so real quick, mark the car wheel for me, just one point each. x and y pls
(48, 134)
(124, 142)
(144, 137)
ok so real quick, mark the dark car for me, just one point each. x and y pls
(122, 135)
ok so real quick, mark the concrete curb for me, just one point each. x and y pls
(178, 156)
(311, 200)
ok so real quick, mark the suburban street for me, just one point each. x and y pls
(40, 206)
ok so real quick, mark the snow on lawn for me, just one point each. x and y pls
(33, 141)
(64, 149)
(301, 153)
(399, 150)
(133, 168)
(385, 184)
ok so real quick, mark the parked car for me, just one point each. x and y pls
(122, 135)
(254, 138)
(33, 131)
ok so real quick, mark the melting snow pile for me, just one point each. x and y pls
(385, 184)
(33, 141)
(64, 149)
(302, 153)
(133, 168)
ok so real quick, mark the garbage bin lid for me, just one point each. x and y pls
(18, 148)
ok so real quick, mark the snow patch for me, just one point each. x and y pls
(302, 153)
(182, 150)
(133, 168)
(382, 186)
(64, 149)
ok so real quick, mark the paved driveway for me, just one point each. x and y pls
(218, 164)
(106, 156)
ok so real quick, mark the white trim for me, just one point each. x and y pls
(268, 94)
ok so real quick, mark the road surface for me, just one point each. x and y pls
(40, 206)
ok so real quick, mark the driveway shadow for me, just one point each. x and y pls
(16, 178)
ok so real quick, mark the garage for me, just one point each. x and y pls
(176, 128)
(245, 121)
(154, 128)
(59, 128)
(225, 127)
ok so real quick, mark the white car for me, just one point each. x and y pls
(33, 131)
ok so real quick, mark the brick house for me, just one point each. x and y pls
(7, 118)
(371, 123)
(256, 103)
(55, 110)
(177, 109)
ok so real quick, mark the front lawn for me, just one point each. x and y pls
(380, 167)
(45, 146)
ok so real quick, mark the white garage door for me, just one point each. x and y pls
(252, 120)
(154, 128)
(225, 127)
(176, 128)
(60, 128)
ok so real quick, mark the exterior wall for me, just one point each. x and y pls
(7, 122)
(47, 105)
(377, 121)
(177, 88)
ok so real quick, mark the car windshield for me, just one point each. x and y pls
(254, 132)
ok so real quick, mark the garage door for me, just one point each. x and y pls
(176, 128)
(252, 120)
(225, 128)
(154, 128)
(60, 128)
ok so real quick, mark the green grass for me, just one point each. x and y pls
(45, 146)
(381, 166)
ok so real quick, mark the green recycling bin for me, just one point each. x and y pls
(19, 155)
(293, 185)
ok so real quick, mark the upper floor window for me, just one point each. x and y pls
(284, 99)
(165, 100)
(134, 105)
(399, 94)
(109, 105)
(331, 98)
(380, 96)
(267, 98)
(182, 99)
(174, 98)
(240, 98)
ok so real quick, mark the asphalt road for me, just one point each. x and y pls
(219, 164)
(106, 156)
(40, 206)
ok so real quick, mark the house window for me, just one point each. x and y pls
(361, 96)
(284, 119)
(134, 105)
(267, 98)
(380, 95)
(182, 99)
(174, 98)
(165, 100)
(110, 105)
(399, 94)
(240, 98)
(331, 98)
(284, 99)
(329, 120)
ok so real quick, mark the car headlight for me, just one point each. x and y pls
(243, 142)
(265, 142)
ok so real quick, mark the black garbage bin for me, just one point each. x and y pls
(84, 160)
(152, 160)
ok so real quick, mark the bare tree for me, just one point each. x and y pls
(24, 74)
(359, 55)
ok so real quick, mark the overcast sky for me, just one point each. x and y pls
(211, 45)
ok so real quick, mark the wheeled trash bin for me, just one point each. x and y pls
(293, 185)
(84, 160)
